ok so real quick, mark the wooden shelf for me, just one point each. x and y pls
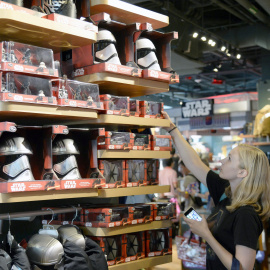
(123, 85)
(47, 195)
(127, 229)
(127, 13)
(116, 120)
(119, 192)
(260, 143)
(30, 113)
(120, 154)
(143, 263)
(24, 28)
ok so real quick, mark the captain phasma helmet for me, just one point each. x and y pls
(105, 50)
(14, 162)
(146, 54)
(64, 160)
(44, 250)
(71, 233)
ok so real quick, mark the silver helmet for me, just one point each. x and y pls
(146, 54)
(71, 233)
(64, 146)
(44, 250)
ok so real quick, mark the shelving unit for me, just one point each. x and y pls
(127, 229)
(121, 154)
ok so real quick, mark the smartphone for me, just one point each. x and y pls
(192, 214)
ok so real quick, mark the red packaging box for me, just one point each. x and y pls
(88, 26)
(134, 246)
(113, 247)
(161, 142)
(28, 89)
(151, 109)
(142, 213)
(115, 105)
(114, 172)
(134, 108)
(152, 169)
(136, 174)
(76, 94)
(158, 242)
(27, 59)
(116, 140)
(107, 217)
(142, 142)
(163, 211)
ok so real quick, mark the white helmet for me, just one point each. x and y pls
(104, 48)
(146, 54)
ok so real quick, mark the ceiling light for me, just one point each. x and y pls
(213, 44)
(228, 54)
(195, 34)
(210, 41)
(203, 38)
(215, 69)
(223, 48)
(181, 102)
(238, 56)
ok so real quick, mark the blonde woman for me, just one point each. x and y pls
(241, 193)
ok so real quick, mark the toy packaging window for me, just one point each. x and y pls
(134, 246)
(77, 94)
(24, 88)
(115, 105)
(152, 169)
(151, 109)
(136, 173)
(164, 211)
(142, 213)
(134, 107)
(161, 143)
(26, 58)
(142, 142)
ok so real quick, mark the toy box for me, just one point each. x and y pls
(23, 88)
(161, 142)
(107, 217)
(114, 172)
(158, 242)
(142, 142)
(136, 173)
(116, 140)
(29, 59)
(134, 244)
(115, 105)
(152, 169)
(113, 247)
(142, 213)
(162, 211)
(134, 107)
(76, 94)
(151, 109)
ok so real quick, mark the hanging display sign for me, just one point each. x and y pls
(197, 108)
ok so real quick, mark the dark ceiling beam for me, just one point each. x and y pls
(264, 4)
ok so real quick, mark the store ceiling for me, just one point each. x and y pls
(242, 25)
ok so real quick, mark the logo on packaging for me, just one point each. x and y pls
(79, 72)
(18, 187)
(6, 6)
(70, 184)
(18, 67)
(72, 103)
(154, 73)
(18, 98)
(112, 68)
(62, 20)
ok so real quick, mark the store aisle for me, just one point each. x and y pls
(175, 264)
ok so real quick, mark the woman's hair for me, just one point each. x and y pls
(254, 189)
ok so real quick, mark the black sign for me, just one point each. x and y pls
(197, 108)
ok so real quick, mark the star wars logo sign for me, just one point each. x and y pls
(197, 108)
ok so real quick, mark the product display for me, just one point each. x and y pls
(134, 246)
(163, 211)
(25, 58)
(142, 213)
(161, 142)
(136, 173)
(151, 109)
(152, 170)
(134, 108)
(115, 105)
(142, 142)
(76, 94)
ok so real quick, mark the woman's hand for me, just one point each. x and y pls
(166, 116)
(199, 227)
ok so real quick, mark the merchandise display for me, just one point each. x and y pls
(23, 88)
(161, 142)
(134, 109)
(134, 246)
(115, 104)
(76, 94)
(26, 58)
(142, 213)
(136, 174)
(152, 169)
(163, 211)
(142, 142)
(116, 140)
(151, 109)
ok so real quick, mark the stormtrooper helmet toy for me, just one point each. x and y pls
(64, 161)
(146, 54)
(14, 165)
(105, 50)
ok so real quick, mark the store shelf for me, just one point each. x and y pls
(30, 113)
(126, 229)
(127, 13)
(47, 195)
(123, 85)
(116, 120)
(123, 154)
(119, 192)
(24, 28)
(143, 263)
(260, 143)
